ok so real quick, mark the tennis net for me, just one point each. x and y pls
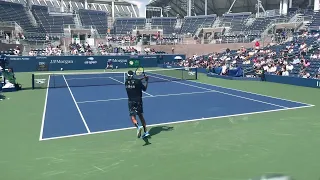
(60, 79)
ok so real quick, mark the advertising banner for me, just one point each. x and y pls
(57, 63)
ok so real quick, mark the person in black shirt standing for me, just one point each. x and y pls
(134, 88)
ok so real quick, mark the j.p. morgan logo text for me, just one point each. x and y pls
(61, 62)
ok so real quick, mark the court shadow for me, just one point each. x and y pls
(158, 129)
(146, 141)
(154, 131)
(2, 97)
(27, 88)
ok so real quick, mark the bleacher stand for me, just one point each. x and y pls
(258, 26)
(18, 13)
(98, 19)
(236, 21)
(167, 23)
(50, 23)
(191, 24)
(123, 26)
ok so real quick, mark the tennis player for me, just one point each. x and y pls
(109, 65)
(134, 88)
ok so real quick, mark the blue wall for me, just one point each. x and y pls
(54, 63)
(315, 83)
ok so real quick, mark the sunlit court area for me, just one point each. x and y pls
(232, 90)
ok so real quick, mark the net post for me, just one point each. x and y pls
(32, 81)
(196, 73)
(52, 78)
(124, 78)
(182, 71)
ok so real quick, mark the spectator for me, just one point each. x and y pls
(257, 45)
(285, 72)
(296, 60)
(272, 68)
(289, 67)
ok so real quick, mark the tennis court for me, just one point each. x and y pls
(96, 102)
(248, 135)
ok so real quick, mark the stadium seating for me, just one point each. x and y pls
(125, 25)
(50, 23)
(314, 63)
(235, 20)
(258, 26)
(315, 22)
(312, 45)
(167, 23)
(94, 18)
(191, 24)
(16, 12)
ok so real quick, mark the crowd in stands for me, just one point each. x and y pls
(107, 49)
(80, 49)
(285, 58)
(289, 58)
(123, 40)
(48, 51)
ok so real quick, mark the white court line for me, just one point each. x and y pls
(44, 109)
(244, 91)
(92, 78)
(75, 102)
(175, 122)
(123, 83)
(161, 95)
(224, 93)
(252, 93)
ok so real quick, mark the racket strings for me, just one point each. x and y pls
(139, 71)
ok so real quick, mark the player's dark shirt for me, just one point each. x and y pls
(134, 89)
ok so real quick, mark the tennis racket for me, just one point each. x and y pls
(140, 72)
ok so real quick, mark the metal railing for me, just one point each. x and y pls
(73, 26)
(236, 33)
(143, 27)
(8, 23)
(269, 13)
(12, 24)
(44, 34)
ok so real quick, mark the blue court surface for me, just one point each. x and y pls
(74, 111)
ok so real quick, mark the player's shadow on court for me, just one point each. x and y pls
(154, 131)
(2, 97)
(158, 129)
